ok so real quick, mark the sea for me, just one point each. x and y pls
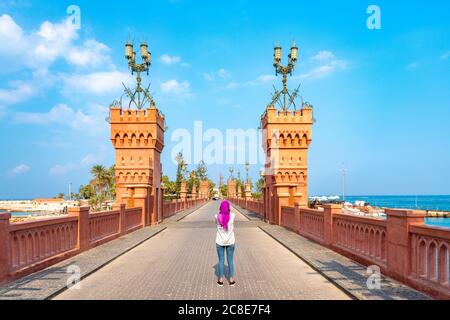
(421, 202)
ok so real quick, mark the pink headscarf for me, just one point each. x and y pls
(224, 214)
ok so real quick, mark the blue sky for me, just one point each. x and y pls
(381, 97)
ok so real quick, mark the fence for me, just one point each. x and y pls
(174, 206)
(401, 245)
(255, 206)
(26, 247)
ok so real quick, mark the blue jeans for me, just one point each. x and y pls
(221, 254)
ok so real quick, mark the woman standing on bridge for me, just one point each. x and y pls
(225, 241)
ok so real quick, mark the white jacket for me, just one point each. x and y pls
(225, 237)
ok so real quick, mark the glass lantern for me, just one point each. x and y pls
(128, 50)
(294, 53)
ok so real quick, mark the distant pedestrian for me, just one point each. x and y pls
(225, 241)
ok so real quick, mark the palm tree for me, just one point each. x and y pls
(100, 178)
(110, 180)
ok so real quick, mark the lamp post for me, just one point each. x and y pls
(130, 55)
(344, 173)
(284, 70)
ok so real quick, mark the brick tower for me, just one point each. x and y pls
(231, 193)
(286, 139)
(138, 139)
(204, 189)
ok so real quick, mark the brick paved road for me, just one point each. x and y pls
(179, 263)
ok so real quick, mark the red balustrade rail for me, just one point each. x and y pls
(311, 224)
(26, 247)
(133, 219)
(103, 225)
(361, 236)
(172, 207)
(401, 245)
(288, 218)
(255, 206)
(33, 242)
(430, 257)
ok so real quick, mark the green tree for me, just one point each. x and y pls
(211, 186)
(259, 187)
(100, 178)
(110, 180)
(170, 188)
(181, 171)
(192, 179)
(202, 171)
(223, 190)
(87, 191)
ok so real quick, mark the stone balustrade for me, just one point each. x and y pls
(172, 207)
(401, 245)
(26, 247)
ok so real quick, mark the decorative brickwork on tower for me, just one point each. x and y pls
(231, 188)
(204, 189)
(248, 190)
(194, 191)
(286, 139)
(183, 191)
(138, 138)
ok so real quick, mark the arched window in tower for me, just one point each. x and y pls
(304, 140)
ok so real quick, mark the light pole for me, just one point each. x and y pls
(344, 173)
(130, 55)
(247, 168)
(284, 70)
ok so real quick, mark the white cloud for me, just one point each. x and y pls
(446, 55)
(412, 65)
(323, 55)
(208, 76)
(21, 168)
(232, 85)
(52, 41)
(266, 78)
(326, 64)
(37, 50)
(223, 73)
(169, 60)
(18, 91)
(175, 87)
(63, 115)
(11, 34)
(96, 82)
(59, 169)
(88, 160)
(91, 54)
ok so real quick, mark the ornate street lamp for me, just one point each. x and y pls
(284, 70)
(130, 55)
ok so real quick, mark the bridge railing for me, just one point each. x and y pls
(31, 243)
(255, 206)
(177, 205)
(430, 251)
(26, 247)
(361, 237)
(400, 245)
